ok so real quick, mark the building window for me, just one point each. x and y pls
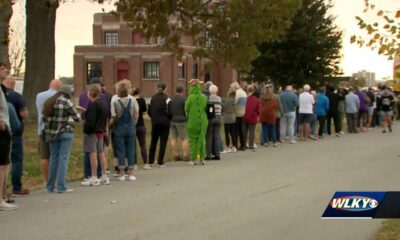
(195, 71)
(181, 71)
(151, 70)
(160, 40)
(93, 71)
(111, 38)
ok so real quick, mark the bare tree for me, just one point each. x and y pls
(6, 12)
(17, 45)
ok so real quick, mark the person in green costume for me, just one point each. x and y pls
(197, 122)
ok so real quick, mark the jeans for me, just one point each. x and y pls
(240, 132)
(141, 137)
(230, 132)
(322, 121)
(287, 125)
(60, 148)
(251, 129)
(213, 141)
(336, 120)
(162, 132)
(125, 145)
(17, 156)
(352, 122)
(268, 132)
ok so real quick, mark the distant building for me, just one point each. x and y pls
(369, 77)
(119, 53)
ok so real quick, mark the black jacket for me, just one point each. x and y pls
(96, 117)
(158, 110)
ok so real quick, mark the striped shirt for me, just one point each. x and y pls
(61, 120)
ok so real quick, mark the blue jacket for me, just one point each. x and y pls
(289, 101)
(322, 104)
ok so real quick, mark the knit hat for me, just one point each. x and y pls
(66, 89)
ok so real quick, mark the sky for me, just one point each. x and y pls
(75, 19)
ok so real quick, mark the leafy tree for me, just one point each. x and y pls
(382, 35)
(308, 53)
(226, 31)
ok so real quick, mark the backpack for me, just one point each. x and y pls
(210, 110)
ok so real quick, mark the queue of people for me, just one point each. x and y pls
(117, 121)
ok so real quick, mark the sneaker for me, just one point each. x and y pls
(121, 178)
(314, 137)
(161, 166)
(242, 149)
(69, 190)
(338, 135)
(208, 158)
(22, 193)
(227, 150)
(135, 167)
(6, 206)
(192, 163)
(146, 167)
(265, 144)
(233, 149)
(132, 178)
(255, 145)
(107, 171)
(93, 181)
(341, 133)
(275, 144)
(384, 131)
(216, 158)
(105, 180)
(292, 141)
(202, 162)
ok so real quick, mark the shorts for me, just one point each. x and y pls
(5, 143)
(93, 144)
(178, 130)
(370, 111)
(43, 148)
(388, 113)
(305, 118)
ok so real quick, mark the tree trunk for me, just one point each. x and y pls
(6, 12)
(40, 49)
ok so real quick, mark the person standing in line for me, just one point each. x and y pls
(371, 106)
(5, 143)
(229, 119)
(341, 109)
(321, 109)
(124, 115)
(386, 104)
(269, 107)
(197, 122)
(141, 128)
(289, 102)
(240, 107)
(17, 149)
(333, 113)
(43, 146)
(59, 117)
(176, 108)
(214, 125)
(95, 128)
(160, 123)
(251, 116)
(306, 102)
(107, 138)
(83, 105)
(352, 108)
(362, 120)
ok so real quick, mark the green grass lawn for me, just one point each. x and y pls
(32, 176)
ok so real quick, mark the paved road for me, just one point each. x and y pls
(275, 193)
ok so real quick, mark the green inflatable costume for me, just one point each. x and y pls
(197, 122)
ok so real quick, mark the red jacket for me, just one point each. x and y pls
(252, 112)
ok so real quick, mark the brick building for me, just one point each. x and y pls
(119, 53)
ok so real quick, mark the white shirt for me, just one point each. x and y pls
(306, 101)
(116, 98)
